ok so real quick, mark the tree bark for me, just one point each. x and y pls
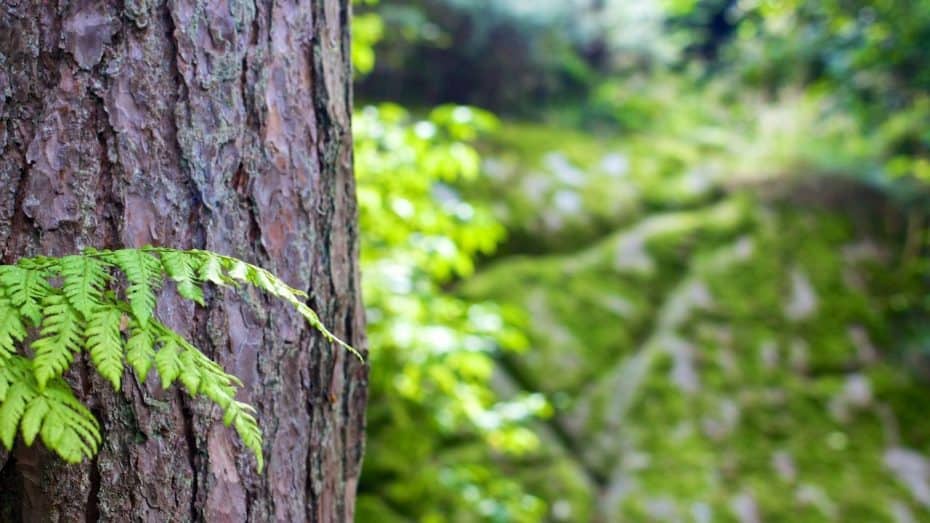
(215, 124)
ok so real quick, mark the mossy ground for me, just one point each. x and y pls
(710, 355)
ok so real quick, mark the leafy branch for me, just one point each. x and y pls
(102, 302)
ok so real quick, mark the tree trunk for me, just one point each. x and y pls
(215, 124)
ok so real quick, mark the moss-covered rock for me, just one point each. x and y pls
(725, 362)
(557, 190)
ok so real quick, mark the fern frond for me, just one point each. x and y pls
(238, 270)
(211, 268)
(222, 270)
(168, 361)
(65, 425)
(105, 343)
(33, 415)
(144, 273)
(240, 415)
(75, 304)
(61, 337)
(68, 428)
(25, 287)
(140, 350)
(316, 323)
(203, 376)
(6, 379)
(84, 279)
(17, 397)
(12, 330)
(264, 280)
(182, 267)
(190, 375)
(204, 372)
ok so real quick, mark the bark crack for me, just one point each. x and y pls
(19, 219)
(191, 439)
(92, 511)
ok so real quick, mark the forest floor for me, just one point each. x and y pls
(714, 347)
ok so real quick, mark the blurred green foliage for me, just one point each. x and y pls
(683, 277)
(367, 31)
(869, 57)
(435, 427)
(863, 59)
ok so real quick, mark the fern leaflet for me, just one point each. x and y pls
(182, 268)
(61, 337)
(17, 396)
(84, 279)
(168, 362)
(105, 343)
(144, 274)
(74, 303)
(12, 330)
(25, 289)
(140, 351)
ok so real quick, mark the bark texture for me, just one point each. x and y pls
(216, 124)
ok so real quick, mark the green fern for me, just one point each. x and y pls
(60, 340)
(144, 274)
(105, 343)
(84, 279)
(52, 412)
(168, 362)
(140, 351)
(12, 330)
(25, 286)
(182, 269)
(103, 303)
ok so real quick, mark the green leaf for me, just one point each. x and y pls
(4, 385)
(69, 428)
(247, 428)
(105, 343)
(211, 269)
(144, 273)
(315, 322)
(12, 411)
(84, 281)
(190, 374)
(167, 361)
(32, 419)
(87, 313)
(268, 282)
(140, 351)
(239, 270)
(61, 338)
(182, 268)
(12, 330)
(25, 288)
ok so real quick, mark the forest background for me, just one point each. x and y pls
(660, 260)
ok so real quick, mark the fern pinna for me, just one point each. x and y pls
(51, 309)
